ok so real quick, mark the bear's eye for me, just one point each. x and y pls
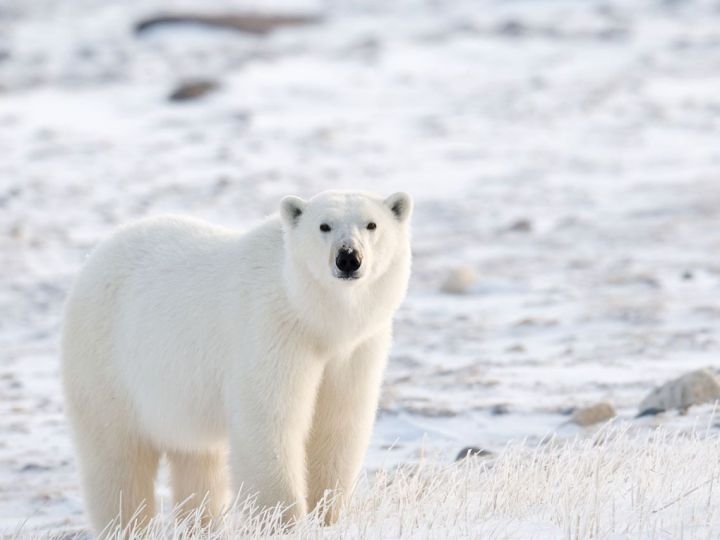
(371, 226)
(324, 227)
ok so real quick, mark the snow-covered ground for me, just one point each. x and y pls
(568, 151)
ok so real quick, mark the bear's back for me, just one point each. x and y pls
(171, 252)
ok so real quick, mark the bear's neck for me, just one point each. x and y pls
(343, 314)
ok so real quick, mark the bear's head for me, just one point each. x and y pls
(347, 237)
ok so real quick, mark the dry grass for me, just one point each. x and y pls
(614, 485)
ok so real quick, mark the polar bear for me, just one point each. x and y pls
(261, 350)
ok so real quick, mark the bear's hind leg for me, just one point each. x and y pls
(118, 475)
(199, 479)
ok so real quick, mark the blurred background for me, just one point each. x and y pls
(564, 157)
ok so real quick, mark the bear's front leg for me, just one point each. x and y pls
(343, 421)
(268, 431)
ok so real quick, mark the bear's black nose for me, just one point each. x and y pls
(348, 260)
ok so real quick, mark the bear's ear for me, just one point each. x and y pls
(291, 208)
(400, 204)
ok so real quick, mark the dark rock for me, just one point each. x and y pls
(34, 467)
(521, 225)
(472, 451)
(248, 23)
(512, 28)
(650, 412)
(499, 409)
(192, 90)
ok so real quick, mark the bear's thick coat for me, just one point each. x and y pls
(260, 350)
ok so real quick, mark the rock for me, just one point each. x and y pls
(472, 451)
(532, 322)
(594, 414)
(565, 411)
(694, 388)
(34, 467)
(499, 409)
(650, 412)
(192, 90)
(248, 23)
(512, 28)
(520, 225)
(459, 280)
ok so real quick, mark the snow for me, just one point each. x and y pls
(595, 123)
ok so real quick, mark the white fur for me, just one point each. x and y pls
(187, 339)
